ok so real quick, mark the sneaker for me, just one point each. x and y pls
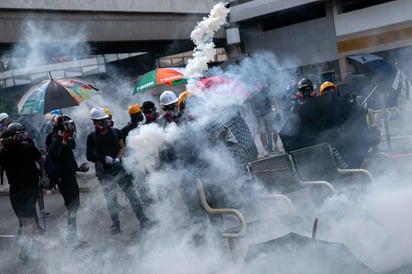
(265, 151)
(277, 151)
(115, 229)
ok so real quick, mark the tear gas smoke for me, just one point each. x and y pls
(376, 230)
(202, 37)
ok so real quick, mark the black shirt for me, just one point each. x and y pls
(100, 145)
(18, 160)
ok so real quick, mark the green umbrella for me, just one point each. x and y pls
(160, 76)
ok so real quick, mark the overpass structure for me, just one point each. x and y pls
(102, 28)
(109, 26)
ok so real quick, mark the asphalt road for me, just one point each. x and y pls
(52, 252)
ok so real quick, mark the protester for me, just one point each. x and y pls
(60, 144)
(327, 119)
(136, 116)
(27, 140)
(18, 160)
(4, 120)
(327, 87)
(109, 113)
(168, 101)
(262, 105)
(105, 147)
(185, 114)
(150, 112)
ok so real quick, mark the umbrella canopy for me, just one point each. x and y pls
(54, 94)
(160, 76)
(223, 86)
(295, 253)
(391, 82)
(374, 67)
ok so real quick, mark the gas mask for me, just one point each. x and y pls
(136, 118)
(171, 111)
(102, 125)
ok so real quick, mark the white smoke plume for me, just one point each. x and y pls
(202, 37)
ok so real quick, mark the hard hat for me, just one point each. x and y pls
(182, 99)
(305, 88)
(3, 116)
(135, 108)
(15, 127)
(107, 111)
(326, 85)
(56, 112)
(304, 82)
(167, 98)
(98, 113)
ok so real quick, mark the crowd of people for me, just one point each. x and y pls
(308, 119)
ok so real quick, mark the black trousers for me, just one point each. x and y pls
(69, 189)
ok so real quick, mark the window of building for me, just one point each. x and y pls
(351, 5)
(293, 16)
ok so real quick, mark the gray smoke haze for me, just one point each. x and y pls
(376, 229)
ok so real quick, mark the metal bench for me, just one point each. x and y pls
(249, 230)
(318, 163)
(277, 173)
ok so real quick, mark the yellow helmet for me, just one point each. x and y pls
(135, 108)
(107, 111)
(182, 99)
(326, 85)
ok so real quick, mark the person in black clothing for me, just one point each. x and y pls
(60, 143)
(150, 112)
(262, 106)
(18, 159)
(328, 119)
(136, 116)
(26, 139)
(105, 147)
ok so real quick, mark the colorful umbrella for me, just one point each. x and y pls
(54, 94)
(160, 76)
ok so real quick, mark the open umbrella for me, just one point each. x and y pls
(295, 253)
(54, 94)
(223, 86)
(385, 75)
(160, 76)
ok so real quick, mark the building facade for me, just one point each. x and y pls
(313, 38)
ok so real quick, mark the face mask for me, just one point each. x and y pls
(102, 125)
(136, 118)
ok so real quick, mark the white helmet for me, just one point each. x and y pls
(3, 116)
(167, 98)
(98, 114)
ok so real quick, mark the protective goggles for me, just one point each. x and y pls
(307, 89)
(103, 123)
(170, 107)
